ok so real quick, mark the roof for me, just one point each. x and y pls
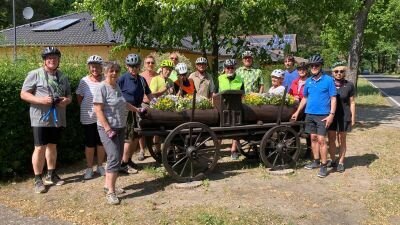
(82, 32)
(79, 29)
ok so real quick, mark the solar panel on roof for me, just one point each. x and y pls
(55, 25)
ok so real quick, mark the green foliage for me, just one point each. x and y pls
(163, 23)
(265, 99)
(17, 139)
(174, 103)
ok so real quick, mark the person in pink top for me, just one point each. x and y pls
(297, 86)
(148, 74)
(296, 90)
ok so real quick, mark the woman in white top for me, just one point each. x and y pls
(277, 80)
(84, 94)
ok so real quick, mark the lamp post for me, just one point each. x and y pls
(15, 34)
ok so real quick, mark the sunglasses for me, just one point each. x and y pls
(230, 68)
(150, 62)
(339, 71)
(315, 65)
(134, 66)
(172, 58)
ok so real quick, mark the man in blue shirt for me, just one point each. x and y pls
(320, 101)
(291, 73)
(133, 87)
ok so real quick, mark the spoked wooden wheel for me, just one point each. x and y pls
(280, 148)
(190, 152)
(151, 146)
(248, 148)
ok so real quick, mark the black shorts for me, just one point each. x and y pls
(131, 124)
(315, 125)
(92, 138)
(46, 135)
(340, 125)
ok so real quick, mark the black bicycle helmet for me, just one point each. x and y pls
(315, 59)
(50, 51)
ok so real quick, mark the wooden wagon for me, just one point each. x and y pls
(191, 139)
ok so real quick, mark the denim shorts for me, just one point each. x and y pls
(315, 125)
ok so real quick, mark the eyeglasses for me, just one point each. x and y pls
(339, 71)
(134, 66)
(315, 65)
(150, 62)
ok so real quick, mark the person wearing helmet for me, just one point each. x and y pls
(203, 81)
(162, 84)
(252, 77)
(344, 117)
(291, 73)
(134, 87)
(320, 106)
(276, 81)
(84, 95)
(229, 80)
(175, 59)
(48, 91)
(183, 85)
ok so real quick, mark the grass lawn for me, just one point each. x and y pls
(368, 95)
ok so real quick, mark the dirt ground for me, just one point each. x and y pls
(240, 192)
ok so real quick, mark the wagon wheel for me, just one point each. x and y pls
(152, 148)
(280, 148)
(248, 148)
(190, 152)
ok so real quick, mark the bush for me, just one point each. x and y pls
(16, 134)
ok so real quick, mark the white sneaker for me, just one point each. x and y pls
(88, 174)
(100, 170)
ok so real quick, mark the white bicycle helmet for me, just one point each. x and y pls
(247, 54)
(181, 68)
(201, 60)
(278, 73)
(132, 60)
(95, 59)
(230, 62)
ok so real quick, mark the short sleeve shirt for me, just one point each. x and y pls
(289, 78)
(343, 101)
(114, 105)
(159, 82)
(204, 84)
(86, 89)
(319, 92)
(252, 79)
(276, 90)
(41, 84)
(133, 88)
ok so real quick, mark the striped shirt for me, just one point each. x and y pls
(86, 89)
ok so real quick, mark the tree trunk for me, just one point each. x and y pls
(214, 21)
(356, 45)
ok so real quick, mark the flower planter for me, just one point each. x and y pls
(156, 118)
(266, 113)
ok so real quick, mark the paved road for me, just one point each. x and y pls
(389, 86)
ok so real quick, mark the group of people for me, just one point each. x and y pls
(110, 105)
